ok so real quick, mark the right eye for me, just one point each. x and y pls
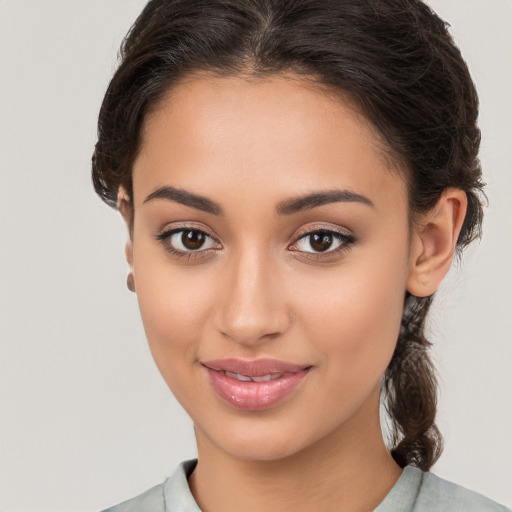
(185, 241)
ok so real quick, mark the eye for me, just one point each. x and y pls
(191, 240)
(322, 241)
(184, 241)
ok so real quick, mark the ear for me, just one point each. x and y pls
(433, 242)
(124, 205)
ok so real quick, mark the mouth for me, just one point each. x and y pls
(254, 385)
(254, 378)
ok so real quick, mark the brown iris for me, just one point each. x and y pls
(193, 240)
(321, 241)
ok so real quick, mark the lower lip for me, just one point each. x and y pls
(254, 396)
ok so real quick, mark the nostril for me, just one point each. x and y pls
(245, 336)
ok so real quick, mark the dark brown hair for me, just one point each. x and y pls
(394, 58)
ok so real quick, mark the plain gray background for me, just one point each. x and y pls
(86, 420)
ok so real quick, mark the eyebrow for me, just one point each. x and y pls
(186, 198)
(286, 207)
(316, 199)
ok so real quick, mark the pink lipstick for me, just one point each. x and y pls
(254, 385)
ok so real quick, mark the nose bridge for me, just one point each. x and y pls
(252, 307)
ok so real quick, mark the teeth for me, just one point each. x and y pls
(246, 378)
(238, 376)
(266, 378)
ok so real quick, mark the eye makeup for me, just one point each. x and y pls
(316, 243)
(321, 242)
(187, 241)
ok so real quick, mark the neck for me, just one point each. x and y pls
(350, 470)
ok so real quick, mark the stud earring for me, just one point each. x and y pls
(130, 282)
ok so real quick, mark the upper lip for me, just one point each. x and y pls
(255, 367)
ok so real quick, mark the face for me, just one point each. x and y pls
(270, 257)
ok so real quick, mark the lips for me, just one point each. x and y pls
(254, 385)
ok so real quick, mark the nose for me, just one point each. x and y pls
(252, 306)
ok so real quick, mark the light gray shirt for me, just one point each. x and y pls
(415, 491)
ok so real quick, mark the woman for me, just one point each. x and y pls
(296, 177)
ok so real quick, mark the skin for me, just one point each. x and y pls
(260, 290)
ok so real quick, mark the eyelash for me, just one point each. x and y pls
(345, 242)
(166, 236)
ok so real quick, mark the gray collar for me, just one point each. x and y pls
(401, 498)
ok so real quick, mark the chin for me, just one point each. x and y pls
(261, 451)
(263, 441)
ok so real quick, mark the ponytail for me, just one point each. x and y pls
(410, 391)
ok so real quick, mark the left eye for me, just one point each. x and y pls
(190, 240)
(321, 241)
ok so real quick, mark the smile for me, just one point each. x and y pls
(248, 378)
(254, 385)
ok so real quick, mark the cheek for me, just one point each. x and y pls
(174, 305)
(354, 314)
(174, 313)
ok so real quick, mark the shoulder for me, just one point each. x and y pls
(172, 494)
(150, 501)
(441, 495)
(418, 491)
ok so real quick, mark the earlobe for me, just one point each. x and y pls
(433, 242)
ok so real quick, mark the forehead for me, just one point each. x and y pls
(278, 132)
